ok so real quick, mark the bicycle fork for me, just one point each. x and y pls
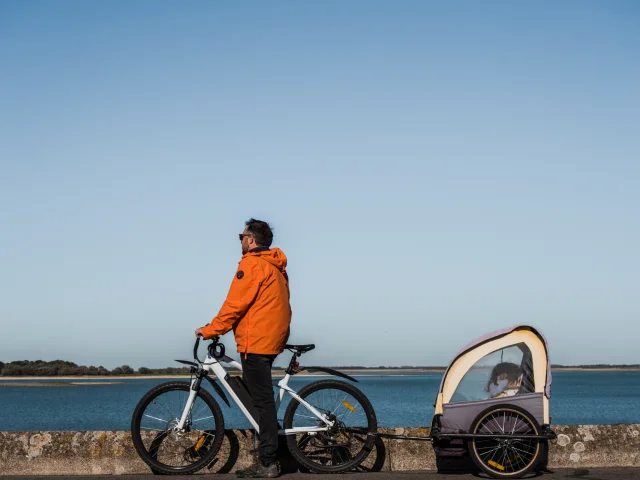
(195, 386)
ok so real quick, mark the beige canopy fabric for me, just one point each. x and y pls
(475, 351)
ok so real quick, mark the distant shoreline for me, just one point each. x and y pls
(588, 369)
(281, 373)
(54, 384)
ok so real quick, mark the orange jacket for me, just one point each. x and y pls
(257, 305)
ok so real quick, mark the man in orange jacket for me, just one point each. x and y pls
(257, 309)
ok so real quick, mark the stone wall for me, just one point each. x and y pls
(112, 452)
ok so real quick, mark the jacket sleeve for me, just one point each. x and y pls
(243, 291)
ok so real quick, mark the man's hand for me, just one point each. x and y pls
(199, 332)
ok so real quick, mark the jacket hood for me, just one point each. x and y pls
(274, 256)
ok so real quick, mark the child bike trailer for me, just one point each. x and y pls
(493, 404)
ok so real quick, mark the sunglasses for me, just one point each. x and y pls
(242, 235)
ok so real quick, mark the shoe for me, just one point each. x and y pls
(258, 470)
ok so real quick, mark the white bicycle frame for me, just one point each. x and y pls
(212, 365)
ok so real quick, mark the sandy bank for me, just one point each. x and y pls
(53, 384)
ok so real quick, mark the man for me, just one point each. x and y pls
(257, 309)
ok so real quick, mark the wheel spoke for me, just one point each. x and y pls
(167, 407)
(519, 458)
(506, 457)
(200, 419)
(495, 420)
(155, 418)
(486, 454)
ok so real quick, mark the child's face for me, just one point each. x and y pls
(502, 379)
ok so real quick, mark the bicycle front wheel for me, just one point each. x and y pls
(161, 445)
(345, 445)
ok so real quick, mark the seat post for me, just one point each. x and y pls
(291, 369)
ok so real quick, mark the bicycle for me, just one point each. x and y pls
(322, 444)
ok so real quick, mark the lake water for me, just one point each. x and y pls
(406, 401)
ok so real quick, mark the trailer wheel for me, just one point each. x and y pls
(506, 457)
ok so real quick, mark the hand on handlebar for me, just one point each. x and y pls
(201, 335)
(215, 345)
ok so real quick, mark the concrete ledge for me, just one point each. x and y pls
(112, 452)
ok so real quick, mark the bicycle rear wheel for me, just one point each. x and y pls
(348, 443)
(156, 439)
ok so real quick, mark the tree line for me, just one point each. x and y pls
(40, 368)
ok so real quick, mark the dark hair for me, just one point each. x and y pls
(261, 231)
(512, 370)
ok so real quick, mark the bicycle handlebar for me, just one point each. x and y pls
(195, 347)
(213, 345)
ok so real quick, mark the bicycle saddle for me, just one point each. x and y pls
(300, 348)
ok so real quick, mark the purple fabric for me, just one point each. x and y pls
(499, 333)
(459, 417)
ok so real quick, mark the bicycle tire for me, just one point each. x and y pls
(372, 426)
(496, 469)
(159, 467)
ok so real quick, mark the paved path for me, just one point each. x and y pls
(586, 474)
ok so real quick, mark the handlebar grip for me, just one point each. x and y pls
(195, 348)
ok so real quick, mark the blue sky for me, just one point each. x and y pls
(433, 171)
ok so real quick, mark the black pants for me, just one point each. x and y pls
(256, 373)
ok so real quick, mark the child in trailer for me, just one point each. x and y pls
(505, 380)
